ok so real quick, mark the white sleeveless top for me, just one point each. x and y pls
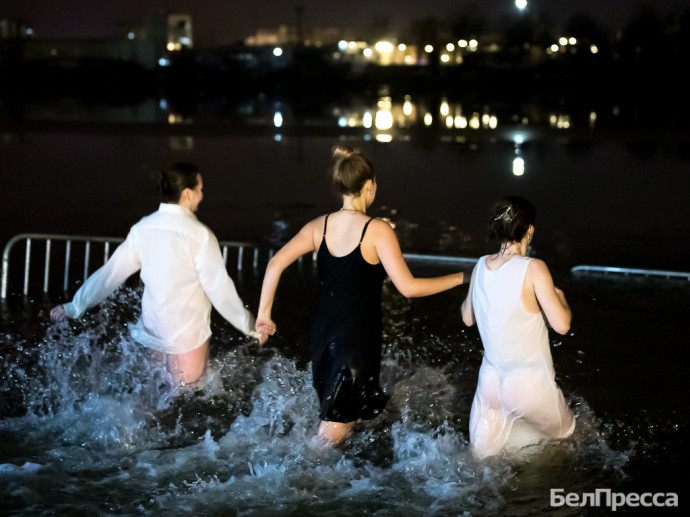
(512, 336)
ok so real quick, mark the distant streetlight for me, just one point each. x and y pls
(521, 4)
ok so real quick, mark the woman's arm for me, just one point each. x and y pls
(220, 288)
(466, 309)
(390, 255)
(299, 245)
(551, 299)
(123, 263)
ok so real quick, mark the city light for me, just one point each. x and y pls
(383, 119)
(384, 47)
(278, 119)
(269, 50)
(444, 109)
(518, 166)
(407, 106)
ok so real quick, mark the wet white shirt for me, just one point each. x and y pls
(184, 275)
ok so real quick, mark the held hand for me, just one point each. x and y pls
(58, 313)
(265, 326)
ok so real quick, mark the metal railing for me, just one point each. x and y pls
(89, 246)
(445, 260)
(627, 271)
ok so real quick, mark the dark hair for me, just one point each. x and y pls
(351, 170)
(510, 219)
(173, 180)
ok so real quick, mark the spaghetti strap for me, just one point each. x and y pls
(325, 223)
(364, 230)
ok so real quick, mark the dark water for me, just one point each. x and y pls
(604, 198)
(89, 426)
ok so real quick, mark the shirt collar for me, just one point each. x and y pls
(174, 208)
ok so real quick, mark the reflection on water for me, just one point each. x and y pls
(384, 114)
(89, 425)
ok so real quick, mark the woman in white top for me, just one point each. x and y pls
(183, 273)
(511, 299)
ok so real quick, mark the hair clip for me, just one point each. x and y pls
(506, 215)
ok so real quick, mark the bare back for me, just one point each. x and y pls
(344, 234)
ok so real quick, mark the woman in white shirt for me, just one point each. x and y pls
(184, 275)
(511, 298)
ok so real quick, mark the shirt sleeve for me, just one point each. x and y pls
(220, 288)
(104, 281)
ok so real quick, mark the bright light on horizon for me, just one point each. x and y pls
(518, 166)
(384, 47)
(278, 119)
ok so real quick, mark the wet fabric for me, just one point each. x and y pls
(517, 377)
(347, 335)
(184, 275)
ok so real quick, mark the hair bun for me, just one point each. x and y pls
(340, 152)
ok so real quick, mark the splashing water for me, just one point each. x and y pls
(92, 426)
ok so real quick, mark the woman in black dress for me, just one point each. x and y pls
(355, 253)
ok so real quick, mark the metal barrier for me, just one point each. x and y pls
(440, 259)
(626, 271)
(110, 243)
(108, 246)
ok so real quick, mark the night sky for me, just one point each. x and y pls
(222, 21)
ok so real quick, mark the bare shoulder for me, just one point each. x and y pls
(539, 270)
(537, 264)
(382, 226)
(381, 231)
(317, 222)
(314, 228)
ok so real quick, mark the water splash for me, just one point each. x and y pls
(94, 425)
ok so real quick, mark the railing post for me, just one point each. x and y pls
(27, 266)
(68, 250)
(5, 272)
(46, 268)
(87, 256)
(240, 254)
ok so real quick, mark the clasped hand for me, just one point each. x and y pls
(266, 328)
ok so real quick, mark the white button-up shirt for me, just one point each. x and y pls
(183, 273)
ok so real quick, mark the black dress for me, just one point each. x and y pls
(347, 335)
